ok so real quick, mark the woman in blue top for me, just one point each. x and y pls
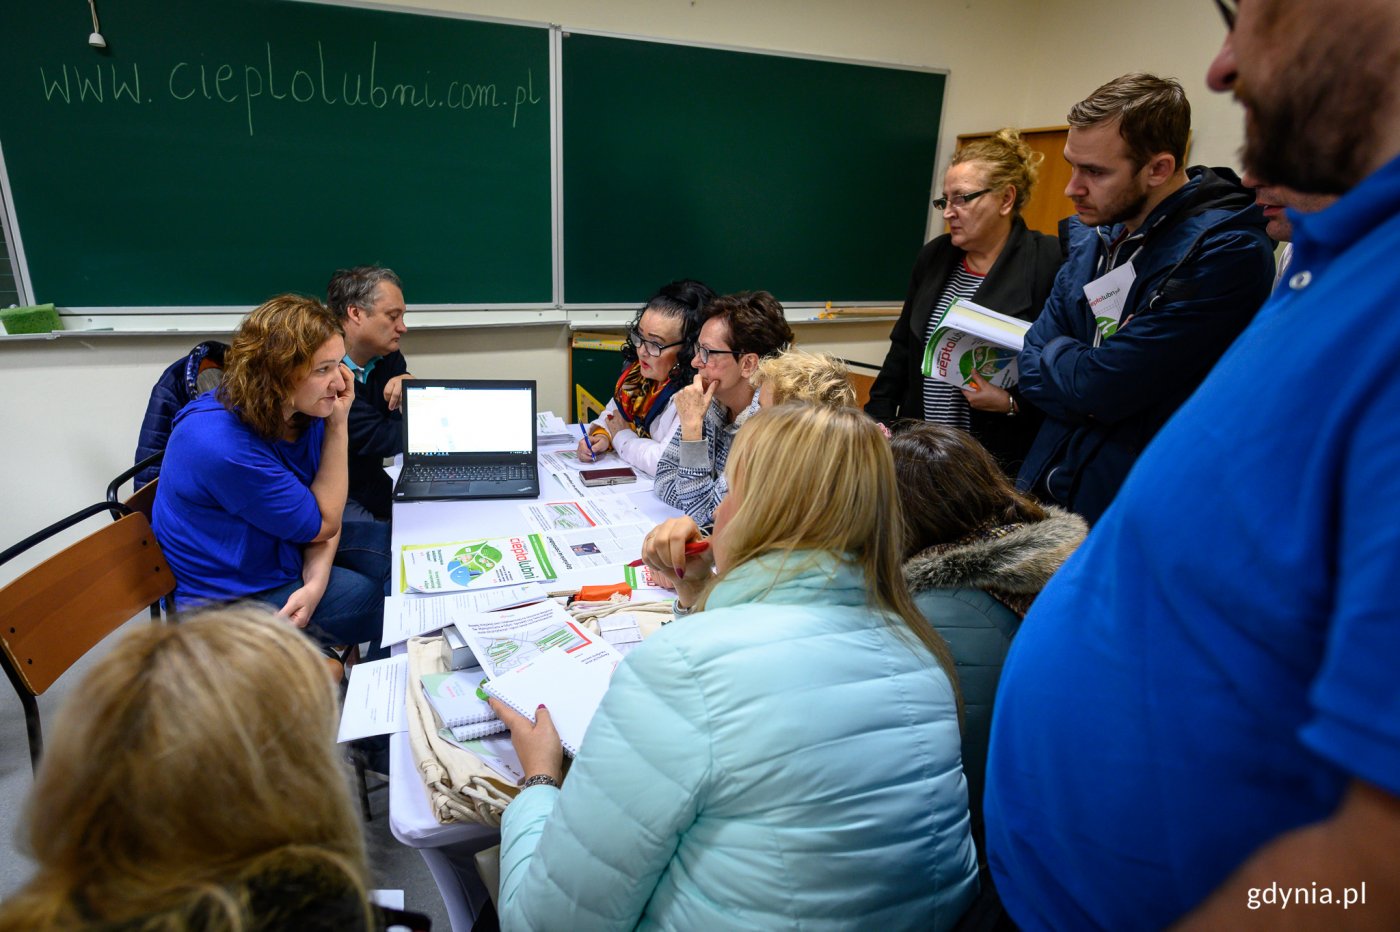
(254, 480)
(790, 759)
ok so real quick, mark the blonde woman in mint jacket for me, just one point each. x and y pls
(787, 758)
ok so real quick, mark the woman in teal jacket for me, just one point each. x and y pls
(790, 758)
(977, 553)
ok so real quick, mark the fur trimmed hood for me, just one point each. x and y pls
(1019, 562)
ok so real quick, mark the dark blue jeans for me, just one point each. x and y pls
(352, 610)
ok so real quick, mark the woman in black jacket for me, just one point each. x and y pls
(990, 257)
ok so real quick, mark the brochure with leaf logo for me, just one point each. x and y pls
(970, 338)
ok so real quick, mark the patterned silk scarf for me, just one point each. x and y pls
(640, 400)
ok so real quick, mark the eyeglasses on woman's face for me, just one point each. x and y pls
(703, 354)
(958, 201)
(650, 347)
(1229, 9)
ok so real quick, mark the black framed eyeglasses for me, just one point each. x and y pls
(704, 353)
(650, 347)
(1229, 9)
(958, 200)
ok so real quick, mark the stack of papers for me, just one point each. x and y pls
(550, 429)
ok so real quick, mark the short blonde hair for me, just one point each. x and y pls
(818, 479)
(193, 759)
(812, 377)
(1009, 161)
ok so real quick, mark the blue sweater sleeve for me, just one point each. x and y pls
(593, 852)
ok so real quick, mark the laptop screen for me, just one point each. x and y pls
(466, 418)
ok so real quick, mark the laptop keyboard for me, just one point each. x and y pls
(505, 472)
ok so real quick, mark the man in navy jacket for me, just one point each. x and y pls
(369, 301)
(1167, 265)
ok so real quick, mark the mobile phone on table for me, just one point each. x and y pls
(607, 476)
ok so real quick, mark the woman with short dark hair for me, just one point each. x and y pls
(739, 331)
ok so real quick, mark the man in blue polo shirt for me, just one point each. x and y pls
(369, 301)
(1200, 717)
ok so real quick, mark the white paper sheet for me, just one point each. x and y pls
(374, 699)
(406, 616)
(566, 516)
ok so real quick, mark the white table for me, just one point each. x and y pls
(449, 849)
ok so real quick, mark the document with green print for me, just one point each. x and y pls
(970, 338)
(476, 564)
(502, 641)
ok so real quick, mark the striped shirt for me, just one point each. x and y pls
(690, 474)
(943, 403)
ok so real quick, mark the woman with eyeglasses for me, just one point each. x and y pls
(640, 419)
(988, 256)
(739, 331)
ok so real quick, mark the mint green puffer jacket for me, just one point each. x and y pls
(784, 759)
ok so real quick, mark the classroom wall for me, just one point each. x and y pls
(77, 403)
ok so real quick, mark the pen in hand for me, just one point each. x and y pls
(589, 443)
(694, 548)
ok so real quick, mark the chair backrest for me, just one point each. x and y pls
(53, 614)
(144, 498)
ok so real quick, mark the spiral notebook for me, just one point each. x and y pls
(457, 706)
(560, 681)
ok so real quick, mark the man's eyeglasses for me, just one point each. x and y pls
(1229, 9)
(704, 353)
(650, 347)
(958, 200)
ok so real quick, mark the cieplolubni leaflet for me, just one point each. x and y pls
(970, 338)
(573, 556)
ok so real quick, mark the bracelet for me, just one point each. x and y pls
(1011, 409)
(680, 611)
(540, 779)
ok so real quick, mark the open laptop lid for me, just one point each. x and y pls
(468, 420)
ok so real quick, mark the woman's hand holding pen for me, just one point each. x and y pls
(664, 550)
(592, 446)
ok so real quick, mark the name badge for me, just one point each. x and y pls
(1107, 297)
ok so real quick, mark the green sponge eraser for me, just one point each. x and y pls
(42, 318)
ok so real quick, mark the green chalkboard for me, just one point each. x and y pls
(810, 179)
(220, 151)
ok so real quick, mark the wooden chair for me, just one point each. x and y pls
(53, 614)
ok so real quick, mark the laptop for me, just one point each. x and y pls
(468, 439)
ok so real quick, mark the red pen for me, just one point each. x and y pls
(694, 548)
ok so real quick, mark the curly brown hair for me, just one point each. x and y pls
(270, 354)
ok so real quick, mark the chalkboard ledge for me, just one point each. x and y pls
(98, 325)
